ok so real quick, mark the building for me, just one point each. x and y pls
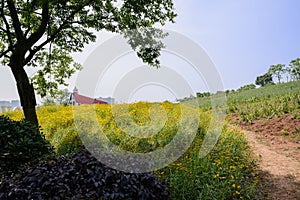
(9, 105)
(77, 99)
(108, 100)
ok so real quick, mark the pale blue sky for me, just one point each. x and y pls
(242, 37)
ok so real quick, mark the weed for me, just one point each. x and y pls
(284, 132)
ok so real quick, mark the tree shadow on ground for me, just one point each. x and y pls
(275, 187)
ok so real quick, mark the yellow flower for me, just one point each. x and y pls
(215, 175)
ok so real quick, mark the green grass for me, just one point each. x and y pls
(267, 92)
(225, 173)
(264, 102)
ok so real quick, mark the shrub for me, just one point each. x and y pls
(80, 177)
(246, 87)
(20, 143)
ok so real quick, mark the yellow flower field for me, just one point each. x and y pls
(225, 173)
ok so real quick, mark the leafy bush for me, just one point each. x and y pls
(246, 87)
(20, 143)
(80, 177)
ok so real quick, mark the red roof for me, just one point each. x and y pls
(86, 100)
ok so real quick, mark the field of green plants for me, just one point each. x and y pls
(264, 102)
(227, 172)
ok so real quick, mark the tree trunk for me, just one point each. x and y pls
(26, 92)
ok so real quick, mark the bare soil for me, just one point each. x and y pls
(276, 145)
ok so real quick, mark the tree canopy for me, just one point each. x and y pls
(60, 98)
(247, 87)
(44, 33)
(294, 69)
(277, 71)
(264, 79)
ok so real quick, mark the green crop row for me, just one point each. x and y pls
(267, 107)
(264, 102)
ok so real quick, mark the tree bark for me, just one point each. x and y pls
(25, 90)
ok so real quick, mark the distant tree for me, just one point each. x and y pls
(48, 100)
(199, 94)
(44, 33)
(294, 69)
(61, 97)
(264, 79)
(277, 71)
(287, 73)
(247, 87)
(204, 94)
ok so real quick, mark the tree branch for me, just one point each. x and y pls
(67, 22)
(42, 28)
(15, 20)
(6, 24)
(37, 48)
(3, 29)
(5, 52)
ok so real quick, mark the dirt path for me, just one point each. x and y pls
(280, 174)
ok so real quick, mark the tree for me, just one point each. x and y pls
(294, 69)
(264, 79)
(60, 98)
(204, 94)
(43, 33)
(277, 71)
(246, 87)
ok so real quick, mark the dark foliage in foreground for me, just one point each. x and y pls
(80, 177)
(20, 143)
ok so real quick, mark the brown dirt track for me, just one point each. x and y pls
(276, 145)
